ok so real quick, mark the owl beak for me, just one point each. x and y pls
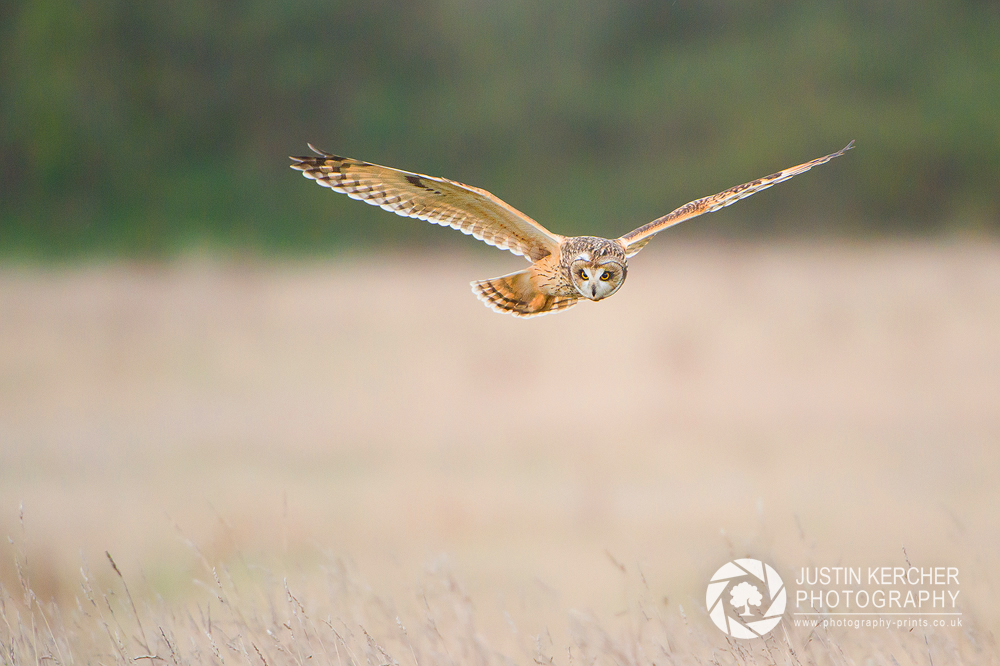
(593, 290)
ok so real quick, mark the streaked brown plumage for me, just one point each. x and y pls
(563, 270)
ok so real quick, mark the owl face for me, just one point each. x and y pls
(597, 278)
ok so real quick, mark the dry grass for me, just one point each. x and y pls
(248, 614)
(321, 423)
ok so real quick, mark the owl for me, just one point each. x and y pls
(564, 270)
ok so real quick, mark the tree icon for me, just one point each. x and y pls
(744, 595)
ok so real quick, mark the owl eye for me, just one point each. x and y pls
(583, 275)
(605, 276)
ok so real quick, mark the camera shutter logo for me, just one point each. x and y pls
(741, 584)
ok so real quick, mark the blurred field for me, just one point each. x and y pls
(804, 403)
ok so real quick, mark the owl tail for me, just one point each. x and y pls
(517, 294)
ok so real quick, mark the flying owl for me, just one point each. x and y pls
(563, 271)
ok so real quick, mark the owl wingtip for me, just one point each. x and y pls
(302, 163)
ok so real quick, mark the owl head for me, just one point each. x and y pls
(599, 270)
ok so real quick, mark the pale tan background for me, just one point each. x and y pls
(808, 403)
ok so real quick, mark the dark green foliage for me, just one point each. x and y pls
(143, 128)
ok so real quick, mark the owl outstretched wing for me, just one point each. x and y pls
(635, 240)
(437, 200)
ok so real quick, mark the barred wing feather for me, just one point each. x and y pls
(441, 201)
(635, 240)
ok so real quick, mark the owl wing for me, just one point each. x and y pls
(518, 294)
(635, 240)
(437, 200)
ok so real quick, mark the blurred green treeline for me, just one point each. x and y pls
(144, 128)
